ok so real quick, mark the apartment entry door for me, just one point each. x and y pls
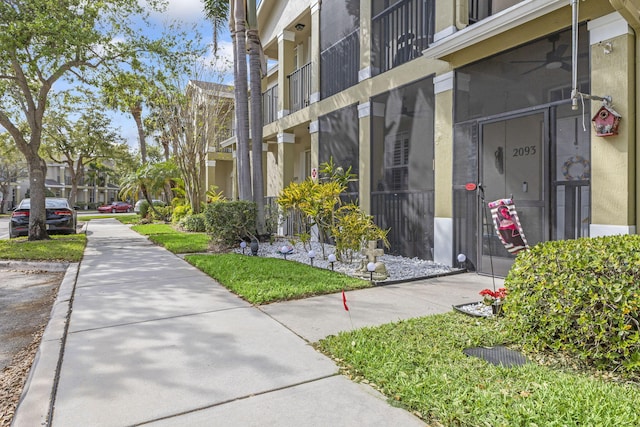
(512, 165)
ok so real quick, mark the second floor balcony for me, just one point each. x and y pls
(400, 33)
(299, 88)
(270, 105)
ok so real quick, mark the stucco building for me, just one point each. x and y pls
(441, 106)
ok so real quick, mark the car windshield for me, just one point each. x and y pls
(49, 203)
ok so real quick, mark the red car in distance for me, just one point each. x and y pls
(116, 207)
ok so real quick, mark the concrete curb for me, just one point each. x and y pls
(33, 265)
(36, 399)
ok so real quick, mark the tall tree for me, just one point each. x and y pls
(42, 42)
(241, 88)
(257, 69)
(193, 117)
(76, 143)
(126, 91)
(216, 11)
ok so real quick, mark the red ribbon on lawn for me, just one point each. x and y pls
(344, 301)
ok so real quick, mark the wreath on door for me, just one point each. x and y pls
(569, 169)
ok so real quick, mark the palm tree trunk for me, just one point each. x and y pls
(136, 112)
(256, 127)
(241, 101)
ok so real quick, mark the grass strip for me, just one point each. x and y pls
(150, 229)
(264, 280)
(59, 248)
(123, 218)
(173, 240)
(419, 365)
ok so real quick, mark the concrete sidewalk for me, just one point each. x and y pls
(151, 340)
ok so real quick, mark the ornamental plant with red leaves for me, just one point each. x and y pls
(491, 297)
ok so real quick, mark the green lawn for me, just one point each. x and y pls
(123, 218)
(173, 240)
(419, 365)
(59, 248)
(261, 280)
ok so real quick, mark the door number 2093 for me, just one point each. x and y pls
(529, 150)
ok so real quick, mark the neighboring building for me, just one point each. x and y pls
(422, 97)
(94, 189)
(212, 114)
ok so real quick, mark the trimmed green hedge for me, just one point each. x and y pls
(230, 222)
(581, 297)
(194, 223)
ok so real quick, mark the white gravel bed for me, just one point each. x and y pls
(477, 309)
(399, 268)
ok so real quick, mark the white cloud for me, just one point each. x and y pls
(184, 10)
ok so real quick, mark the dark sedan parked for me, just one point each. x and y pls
(61, 218)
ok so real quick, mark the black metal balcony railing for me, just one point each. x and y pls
(299, 88)
(339, 65)
(401, 33)
(270, 105)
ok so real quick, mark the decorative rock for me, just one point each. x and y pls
(398, 268)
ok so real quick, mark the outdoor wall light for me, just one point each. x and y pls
(371, 267)
(312, 255)
(243, 245)
(299, 27)
(331, 258)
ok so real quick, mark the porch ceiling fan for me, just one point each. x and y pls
(554, 58)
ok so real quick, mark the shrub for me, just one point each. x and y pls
(161, 213)
(194, 223)
(353, 229)
(144, 209)
(180, 212)
(230, 222)
(581, 297)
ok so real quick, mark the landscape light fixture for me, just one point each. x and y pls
(243, 245)
(371, 267)
(254, 247)
(284, 250)
(299, 27)
(331, 258)
(462, 259)
(312, 255)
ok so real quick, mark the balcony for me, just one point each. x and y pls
(400, 33)
(270, 105)
(299, 88)
(339, 65)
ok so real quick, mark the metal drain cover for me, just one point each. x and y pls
(498, 355)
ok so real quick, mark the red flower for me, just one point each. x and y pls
(493, 296)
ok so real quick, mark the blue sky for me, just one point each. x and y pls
(189, 12)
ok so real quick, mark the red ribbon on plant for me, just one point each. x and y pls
(344, 301)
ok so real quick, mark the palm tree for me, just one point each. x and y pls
(257, 69)
(217, 11)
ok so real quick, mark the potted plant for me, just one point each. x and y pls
(494, 298)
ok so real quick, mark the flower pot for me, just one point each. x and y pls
(496, 309)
